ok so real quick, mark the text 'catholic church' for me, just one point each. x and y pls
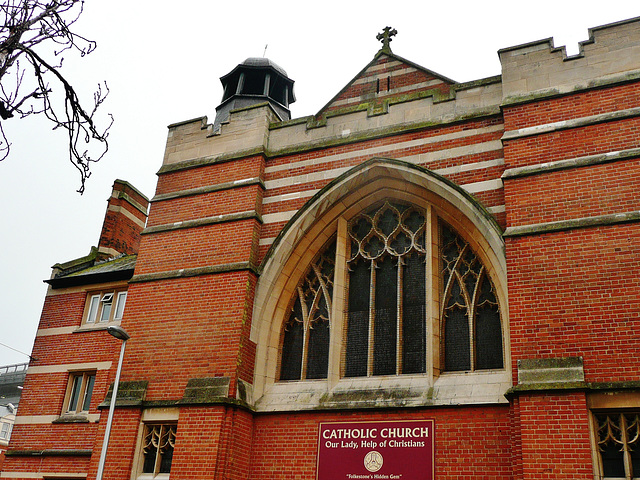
(425, 280)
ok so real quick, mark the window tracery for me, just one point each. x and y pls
(393, 256)
(305, 349)
(387, 278)
(158, 444)
(618, 440)
(470, 316)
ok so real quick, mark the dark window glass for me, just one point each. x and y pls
(90, 379)
(385, 318)
(488, 333)
(358, 319)
(76, 388)
(80, 393)
(618, 444)
(391, 238)
(413, 315)
(157, 449)
(457, 351)
(318, 357)
(291, 360)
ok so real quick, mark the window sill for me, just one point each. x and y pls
(91, 327)
(468, 388)
(151, 476)
(76, 418)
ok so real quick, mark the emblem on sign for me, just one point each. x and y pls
(373, 461)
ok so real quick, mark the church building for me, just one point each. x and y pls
(425, 280)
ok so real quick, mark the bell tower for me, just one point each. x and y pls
(256, 80)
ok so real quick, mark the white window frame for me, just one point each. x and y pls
(118, 308)
(5, 431)
(105, 307)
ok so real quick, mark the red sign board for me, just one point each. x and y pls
(401, 450)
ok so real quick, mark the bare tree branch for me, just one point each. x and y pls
(45, 26)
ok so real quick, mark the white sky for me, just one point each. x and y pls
(163, 65)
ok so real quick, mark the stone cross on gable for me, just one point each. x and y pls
(385, 37)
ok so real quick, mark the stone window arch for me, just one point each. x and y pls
(389, 226)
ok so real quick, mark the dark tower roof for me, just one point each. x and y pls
(256, 80)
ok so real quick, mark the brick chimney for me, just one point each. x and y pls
(125, 218)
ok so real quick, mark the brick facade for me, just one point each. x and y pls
(536, 170)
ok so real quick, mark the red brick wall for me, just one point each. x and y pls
(186, 328)
(575, 193)
(204, 246)
(62, 310)
(575, 293)
(119, 231)
(207, 205)
(122, 444)
(49, 464)
(175, 181)
(555, 437)
(580, 104)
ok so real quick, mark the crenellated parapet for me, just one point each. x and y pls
(539, 69)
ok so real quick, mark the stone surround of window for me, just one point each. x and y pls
(328, 215)
(163, 422)
(615, 434)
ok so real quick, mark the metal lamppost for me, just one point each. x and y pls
(120, 334)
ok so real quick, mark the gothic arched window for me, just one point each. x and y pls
(305, 347)
(386, 322)
(397, 260)
(471, 316)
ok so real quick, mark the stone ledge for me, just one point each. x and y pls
(130, 394)
(578, 386)
(586, 161)
(196, 272)
(201, 222)
(573, 224)
(402, 391)
(72, 418)
(209, 189)
(205, 390)
(564, 370)
(568, 124)
(52, 452)
(180, 403)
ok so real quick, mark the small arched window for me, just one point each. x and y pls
(399, 261)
